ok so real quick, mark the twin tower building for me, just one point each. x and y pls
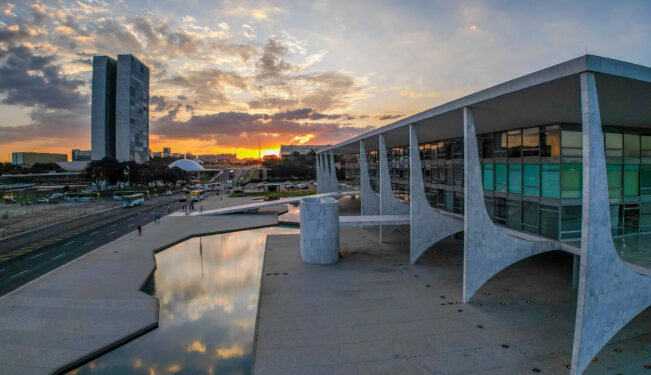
(120, 109)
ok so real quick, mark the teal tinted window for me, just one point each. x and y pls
(631, 180)
(645, 179)
(645, 145)
(631, 146)
(570, 222)
(530, 216)
(515, 178)
(514, 215)
(549, 221)
(614, 172)
(645, 217)
(500, 177)
(531, 179)
(615, 220)
(489, 175)
(571, 180)
(551, 183)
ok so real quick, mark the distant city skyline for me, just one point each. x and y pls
(224, 75)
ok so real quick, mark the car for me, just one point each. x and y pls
(168, 193)
(43, 200)
(183, 198)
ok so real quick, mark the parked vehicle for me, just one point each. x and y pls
(43, 200)
(168, 193)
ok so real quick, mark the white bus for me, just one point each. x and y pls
(133, 200)
(196, 195)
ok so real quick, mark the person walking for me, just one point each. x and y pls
(201, 208)
(139, 230)
(158, 218)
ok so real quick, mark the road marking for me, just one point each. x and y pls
(2, 269)
(95, 232)
(68, 243)
(89, 243)
(38, 255)
(18, 274)
(58, 256)
(114, 224)
(131, 224)
(112, 232)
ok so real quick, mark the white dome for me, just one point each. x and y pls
(187, 165)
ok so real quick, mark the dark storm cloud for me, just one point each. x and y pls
(160, 103)
(271, 63)
(47, 123)
(30, 80)
(308, 114)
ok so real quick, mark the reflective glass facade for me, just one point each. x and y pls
(533, 177)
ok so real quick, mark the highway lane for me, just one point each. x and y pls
(66, 247)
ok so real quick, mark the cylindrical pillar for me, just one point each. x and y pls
(319, 230)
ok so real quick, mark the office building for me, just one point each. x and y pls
(559, 159)
(103, 107)
(120, 109)
(81, 155)
(27, 159)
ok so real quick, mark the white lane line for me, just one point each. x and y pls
(38, 255)
(112, 232)
(95, 232)
(131, 224)
(114, 224)
(58, 256)
(18, 274)
(68, 243)
(2, 269)
(88, 243)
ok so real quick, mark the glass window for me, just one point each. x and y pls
(549, 221)
(551, 182)
(440, 151)
(631, 218)
(645, 141)
(530, 216)
(614, 172)
(458, 203)
(449, 175)
(531, 179)
(514, 216)
(515, 178)
(488, 176)
(570, 222)
(571, 180)
(500, 177)
(487, 145)
(631, 146)
(614, 144)
(500, 144)
(645, 179)
(458, 174)
(449, 201)
(615, 219)
(515, 143)
(645, 217)
(441, 198)
(530, 141)
(551, 142)
(499, 211)
(571, 142)
(631, 180)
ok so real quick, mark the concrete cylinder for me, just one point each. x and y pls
(319, 230)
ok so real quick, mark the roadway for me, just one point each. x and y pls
(47, 254)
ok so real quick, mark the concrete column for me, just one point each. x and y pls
(319, 230)
(428, 225)
(488, 249)
(333, 173)
(370, 200)
(319, 175)
(610, 294)
(389, 204)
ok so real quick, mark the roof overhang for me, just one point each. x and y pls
(548, 96)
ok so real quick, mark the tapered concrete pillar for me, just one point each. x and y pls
(389, 204)
(610, 294)
(370, 200)
(333, 174)
(428, 225)
(319, 174)
(488, 249)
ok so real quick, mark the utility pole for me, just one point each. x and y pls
(259, 153)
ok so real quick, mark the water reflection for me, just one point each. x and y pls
(208, 291)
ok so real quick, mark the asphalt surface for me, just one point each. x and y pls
(43, 256)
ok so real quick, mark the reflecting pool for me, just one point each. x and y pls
(208, 291)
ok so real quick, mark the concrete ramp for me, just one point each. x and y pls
(368, 220)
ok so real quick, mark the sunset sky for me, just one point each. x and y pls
(224, 73)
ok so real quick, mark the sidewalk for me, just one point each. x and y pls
(88, 305)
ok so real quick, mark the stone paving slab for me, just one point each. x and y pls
(95, 301)
(374, 313)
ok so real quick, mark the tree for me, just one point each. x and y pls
(99, 171)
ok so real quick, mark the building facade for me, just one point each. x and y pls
(559, 159)
(132, 110)
(103, 107)
(28, 159)
(81, 155)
